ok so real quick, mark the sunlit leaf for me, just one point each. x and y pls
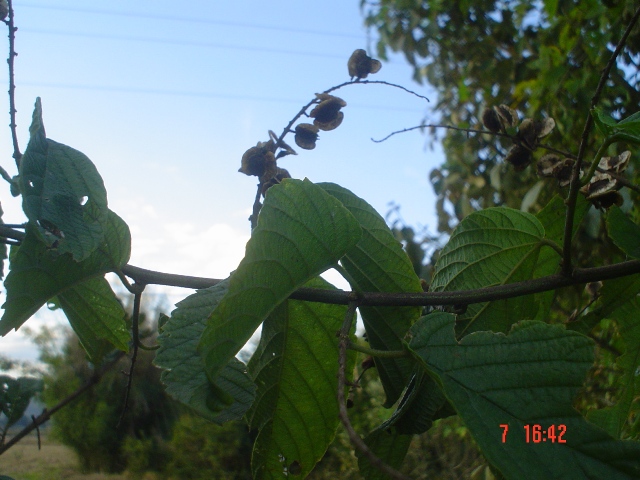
(494, 246)
(301, 232)
(295, 369)
(378, 263)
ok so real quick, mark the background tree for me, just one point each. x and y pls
(543, 59)
(94, 425)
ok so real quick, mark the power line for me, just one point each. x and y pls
(202, 94)
(175, 18)
(188, 43)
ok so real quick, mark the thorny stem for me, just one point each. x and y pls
(575, 174)
(342, 404)
(12, 87)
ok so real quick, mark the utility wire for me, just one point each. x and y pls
(176, 18)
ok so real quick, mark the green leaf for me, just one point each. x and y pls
(422, 403)
(295, 368)
(38, 274)
(552, 217)
(624, 233)
(628, 128)
(97, 317)
(301, 232)
(378, 263)
(529, 377)
(604, 123)
(388, 445)
(15, 395)
(491, 247)
(184, 373)
(613, 419)
(63, 193)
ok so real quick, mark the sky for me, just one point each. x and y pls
(165, 97)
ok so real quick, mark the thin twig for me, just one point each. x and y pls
(135, 317)
(17, 155)
(342, 404)
(575, 175)
(46, 414)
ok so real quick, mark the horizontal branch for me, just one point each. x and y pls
(460, 297)
(341, 297)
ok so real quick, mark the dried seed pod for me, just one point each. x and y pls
(565, 171)
(617, 164)
(4, 9)
(327, 114)
(490, 120)
(519, 157)
(508, 116)
(360, 64)
(549, 165)
(607, 200)
(259, 161)
(306, 135)
(545, 127)
(527, 133)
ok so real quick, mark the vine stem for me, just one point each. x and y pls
(17, 155)
(342, 404)
(575, 174)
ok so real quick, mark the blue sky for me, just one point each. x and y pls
(165, 97)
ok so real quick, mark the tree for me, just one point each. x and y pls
(543, 59)
(480, 344)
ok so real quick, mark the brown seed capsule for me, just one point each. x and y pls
(327, 114)
(519, 157)
(4, 9)
(490, 120)
(279, 176)
(306, 135)
(361, 65)
(259, 161)
(508, 116)
(549, 165)
(527, 133)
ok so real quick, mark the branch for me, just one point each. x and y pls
(46, 414)
(575, 174)
(17, 155)
(459, 297)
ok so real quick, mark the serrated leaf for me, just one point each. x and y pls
(301, 232)
(96, 316)
(529, 377)
(613, 419)
(183, 369)
(491, 247)
(378, 263)
(388, 445)
(62, 193)
(295, 369)
(624, 233)
(38, 274)
(15, 395)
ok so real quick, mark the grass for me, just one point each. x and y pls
(53, 462)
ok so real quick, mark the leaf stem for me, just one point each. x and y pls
(377, 353)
